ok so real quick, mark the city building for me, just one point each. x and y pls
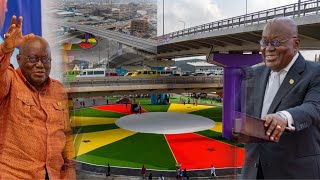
(139, 25)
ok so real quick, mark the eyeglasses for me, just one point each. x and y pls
(34, 59)
(274, 43)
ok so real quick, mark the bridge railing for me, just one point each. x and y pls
(305, 8)
(124, 80)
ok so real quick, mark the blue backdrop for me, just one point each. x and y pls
(30, 10)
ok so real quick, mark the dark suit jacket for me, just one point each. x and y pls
(297, 154)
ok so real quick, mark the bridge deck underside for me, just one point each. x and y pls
(237, 39)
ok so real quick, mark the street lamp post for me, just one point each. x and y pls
(246, 7)
(184, 24)
(245, 18)
(163, 17)
(108, 58)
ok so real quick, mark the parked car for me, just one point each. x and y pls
(112, 74)
(175, 74)
(124, 101)
(200, 74)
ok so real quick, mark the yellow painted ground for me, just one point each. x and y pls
(67, 46)
(98, 139)
(186, 108)
(217, 127)
(90, 40)
(87, 121)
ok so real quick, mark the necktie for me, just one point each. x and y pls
(271, 91)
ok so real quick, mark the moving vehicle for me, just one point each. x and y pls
(98, 72)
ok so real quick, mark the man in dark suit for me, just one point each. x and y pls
(285, 92)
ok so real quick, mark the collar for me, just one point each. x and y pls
(27, 83)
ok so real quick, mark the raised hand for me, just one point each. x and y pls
(14, 37)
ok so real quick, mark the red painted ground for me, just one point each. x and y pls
(118, 108)
(85, 45)
(194, 151)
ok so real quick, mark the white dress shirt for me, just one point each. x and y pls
(283, 73)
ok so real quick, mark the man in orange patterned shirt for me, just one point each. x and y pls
(35, 135)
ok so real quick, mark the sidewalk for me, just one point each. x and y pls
(99, 176)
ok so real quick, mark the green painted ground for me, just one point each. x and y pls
(90, 112)
(217, 136)
(94, 128)
(128, 152)
(214, 113)
(155, 108)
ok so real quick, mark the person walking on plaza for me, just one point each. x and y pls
(143, 172)
(108, 170)
(185, 174)
(161, 177)
(212, 172)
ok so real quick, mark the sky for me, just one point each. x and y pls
(178, 13)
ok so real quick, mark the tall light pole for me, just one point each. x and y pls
(184, 24)
(163, 17)
(245, 17)
(299, 3)
(246, 7)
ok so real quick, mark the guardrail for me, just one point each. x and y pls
(306, 8)
(156, 80)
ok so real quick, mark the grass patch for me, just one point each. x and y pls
(94, 128)
(218, 136)
(214, 113)
(149, 149)
(155, 108)
(90, 112)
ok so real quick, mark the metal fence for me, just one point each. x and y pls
(123, 80)
(305, 8)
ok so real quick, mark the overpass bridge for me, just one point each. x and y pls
(241, 33)
(145, 45)
(236, 34)
(124, 85)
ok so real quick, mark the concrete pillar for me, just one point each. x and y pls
(86, 35)
(233, 65)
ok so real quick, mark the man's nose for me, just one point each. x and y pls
(270, 47)
(39, 64)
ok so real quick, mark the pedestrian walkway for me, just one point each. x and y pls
(99, 176)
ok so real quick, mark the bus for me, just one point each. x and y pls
(98, 72)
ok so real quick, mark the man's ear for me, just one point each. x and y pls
(297, 43)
